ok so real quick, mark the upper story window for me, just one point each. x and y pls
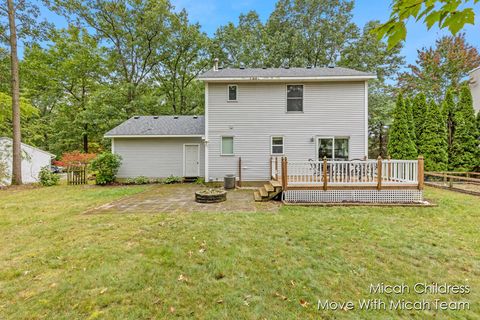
(294, 98)
(232, 92)
(277, 145)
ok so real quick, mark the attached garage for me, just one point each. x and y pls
(158, 147)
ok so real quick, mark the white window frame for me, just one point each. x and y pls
(271, 146)
(333, 138)
(228, 92)
(221, 146)
(286, 97)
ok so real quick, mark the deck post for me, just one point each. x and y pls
(379, 173)
(325, 173)
(276, 168)
(271, 167)
(420, 172)
(239, 171)
(284, 173)
(389, 173)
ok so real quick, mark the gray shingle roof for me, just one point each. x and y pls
(160, 126)
(283, 72)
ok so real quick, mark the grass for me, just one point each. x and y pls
(56, 263)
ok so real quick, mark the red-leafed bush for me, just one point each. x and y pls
(75, 158)
(58, 163)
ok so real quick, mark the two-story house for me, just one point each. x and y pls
(252, 114)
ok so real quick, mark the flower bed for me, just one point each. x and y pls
(211, 196)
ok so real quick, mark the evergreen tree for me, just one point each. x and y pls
(465, 151)
(448, 111)
(419, 108)
(400, 143)
(411, 121)
(433, 142)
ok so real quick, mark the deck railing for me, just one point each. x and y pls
(379, 173)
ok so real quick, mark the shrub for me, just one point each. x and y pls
(129, 181)
(106, 167)
(141, 180)
(158, 180)
(200, 181)
(172, 180)
(4, 175)
(47, 178)
(75, 158)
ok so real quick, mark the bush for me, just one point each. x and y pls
(75, 158)
(172, 180)
(141, 180)
(106, 167)
(47, 178)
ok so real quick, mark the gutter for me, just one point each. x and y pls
(152, 136)
(283, 79)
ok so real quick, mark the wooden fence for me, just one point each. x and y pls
(77, 174)
(465, 182)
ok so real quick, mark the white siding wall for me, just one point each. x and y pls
(154, 157)
(475, 87)
(33, 160)
(330, 109)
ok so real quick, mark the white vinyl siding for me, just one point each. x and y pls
(155, 157)
(332, 109)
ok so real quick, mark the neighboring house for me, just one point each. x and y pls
(33, 159)
(475, 87)
(252, 114)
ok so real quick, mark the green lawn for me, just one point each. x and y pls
(56, 263)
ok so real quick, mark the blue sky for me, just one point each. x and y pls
(213, 13)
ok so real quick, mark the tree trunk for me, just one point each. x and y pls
(85, 139)
(15, 82)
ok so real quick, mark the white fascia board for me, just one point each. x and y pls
(154, 136)
(283, 79)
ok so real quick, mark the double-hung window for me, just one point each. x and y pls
(232, 92)
(227, 146)
(335, 148)
(277, 145)
(294, 98)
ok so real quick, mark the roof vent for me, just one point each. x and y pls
(264, 67)
(287, 67)
(195, 117)
(331, 66)
(309, 67)
(175, 117)
(155, 117)
(242, 67)
(136, 117)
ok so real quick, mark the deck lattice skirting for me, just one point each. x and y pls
(358, 181)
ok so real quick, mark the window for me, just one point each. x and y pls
(277, 145)
(232, 92)
(294, 98)
(227, 146)
(333, 148)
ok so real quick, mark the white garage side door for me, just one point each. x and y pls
(192, 160)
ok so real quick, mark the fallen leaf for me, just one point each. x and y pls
(303, 303)
(172, 309)
(53, 285)
(280, 296)
(182, 278)
(202, 250)
(103, 290)
(219, 301)
(292, 283)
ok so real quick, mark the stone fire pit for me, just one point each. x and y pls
(211, 196)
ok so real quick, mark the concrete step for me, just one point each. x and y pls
(269, 187)
(263, 192)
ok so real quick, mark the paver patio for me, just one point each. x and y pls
(181, 198)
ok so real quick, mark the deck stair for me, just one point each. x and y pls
(268, 191)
